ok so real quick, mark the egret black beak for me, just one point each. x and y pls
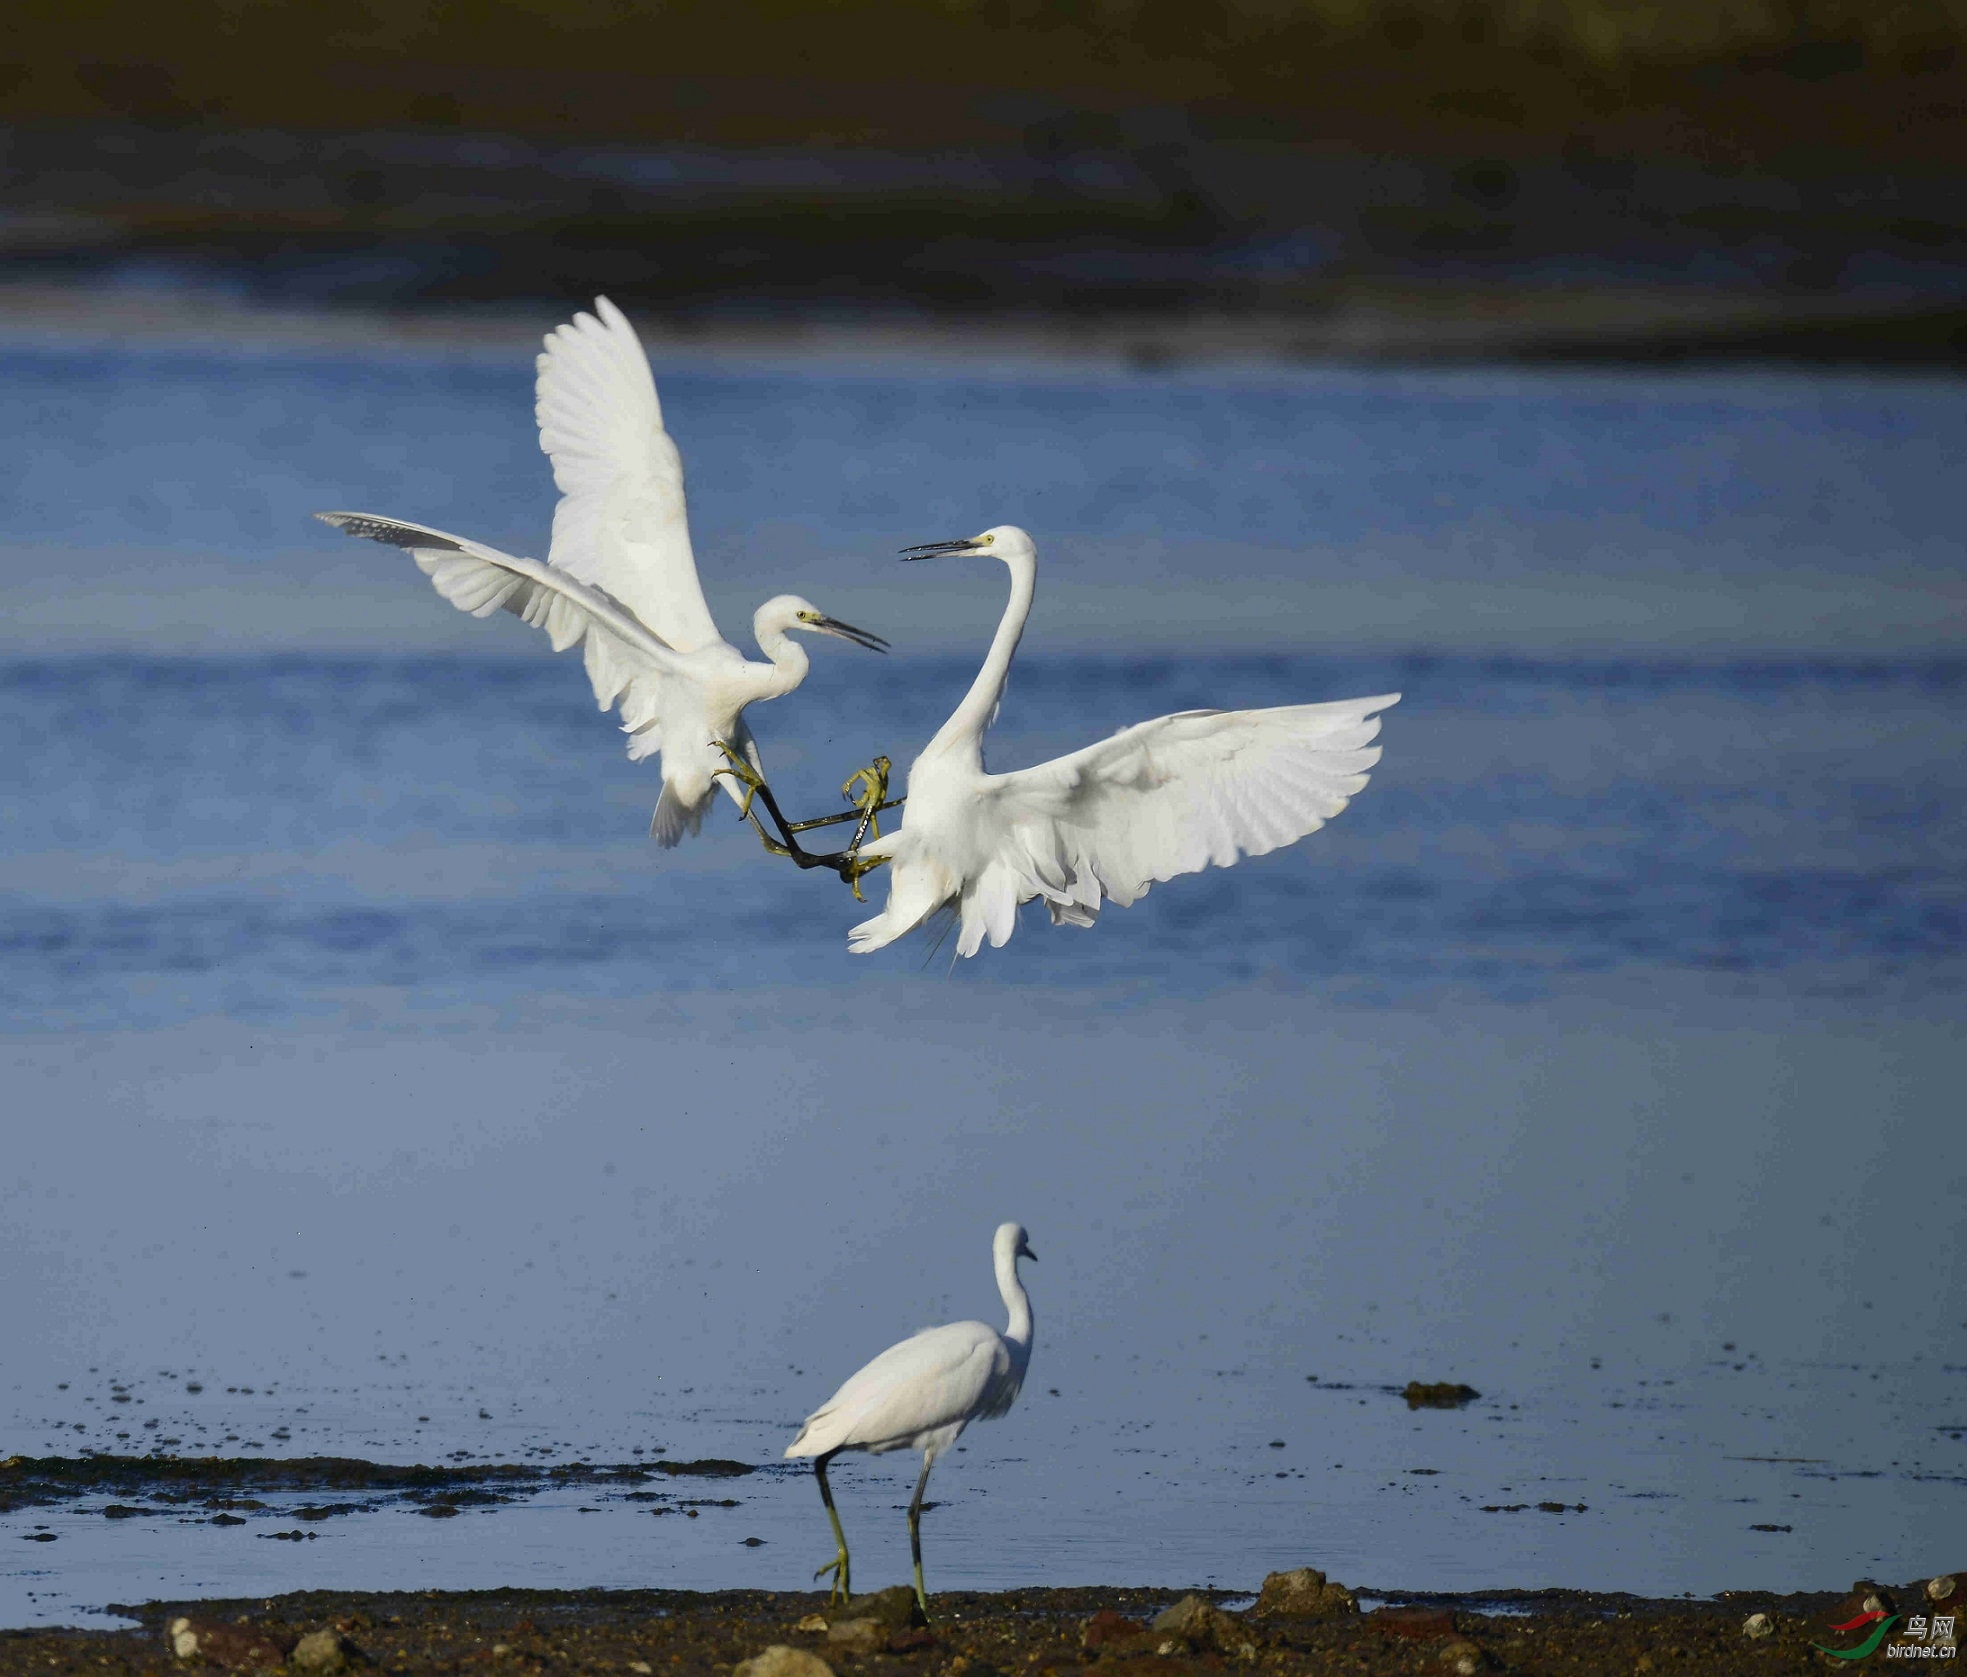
(1025, 1251)
(846, 632)
(935, 550)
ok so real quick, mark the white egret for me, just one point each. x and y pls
(621, 580)
(1176, 795)
(920, 1395)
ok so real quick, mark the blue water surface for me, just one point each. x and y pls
(376, 1087)
(244, 837)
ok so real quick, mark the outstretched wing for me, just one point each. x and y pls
(621, 523)
(1176, 795)
(624, 659)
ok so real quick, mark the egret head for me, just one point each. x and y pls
(1000, 541)
(788, 611)
(1011, 1243)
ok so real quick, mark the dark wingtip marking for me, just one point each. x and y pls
(387, 531)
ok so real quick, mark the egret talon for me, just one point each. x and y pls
(873, 782)
(756, 790)
(838, 1595)
(743, 773)
(870, 799)
(854, 869)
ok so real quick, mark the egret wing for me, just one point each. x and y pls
(621, 523)
(936, 1379)
(624, 659)
(1176, 795)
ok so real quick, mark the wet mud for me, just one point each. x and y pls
(1042, 1632)
(225, 1488)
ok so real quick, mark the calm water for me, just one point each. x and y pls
(1605, 1055)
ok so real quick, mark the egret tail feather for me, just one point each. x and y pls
(674, 819)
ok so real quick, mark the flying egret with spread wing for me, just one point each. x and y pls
(620, 578)
(1176, 795)
(920, 1395)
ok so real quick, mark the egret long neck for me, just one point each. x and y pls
(1016, 1301)
(789, 663)
(965, 729)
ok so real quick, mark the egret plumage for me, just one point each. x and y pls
(1181, 793)
(620, 578)
(920, 1395)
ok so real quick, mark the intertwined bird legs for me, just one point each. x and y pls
(915, 1535)
(754, 787)
(841, 1592)
(869, 802)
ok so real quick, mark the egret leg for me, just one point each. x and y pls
(756, 789)
(873, 781)
(915, 1534)
(842, 1591)
(846, 863)
(870, 800)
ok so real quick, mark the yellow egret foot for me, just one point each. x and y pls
(870, 800)
(745, 775)
(853, 867)
(868, 788)
(756, 790)
(838, 1595)
(842, 1591)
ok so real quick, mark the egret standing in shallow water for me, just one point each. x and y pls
(920, 1395)
(1172, 796)
(621, 577)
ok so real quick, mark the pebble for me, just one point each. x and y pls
(1758, 1625)
(894, 1608)
(1193, 1623)
(1304, 1593)
(857, 1636)
(1421, 1623)
(240, 1647)
(781, 1661)
(321, 1651)
(1107, 1629)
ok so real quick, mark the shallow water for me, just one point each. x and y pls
(1603, 1055)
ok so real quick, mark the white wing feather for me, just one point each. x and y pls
(626, 662)
(621, 524)
(1176, 795)
(934, 1380)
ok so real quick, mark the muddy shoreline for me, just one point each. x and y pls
(1346, 323)
(1104, 1632)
